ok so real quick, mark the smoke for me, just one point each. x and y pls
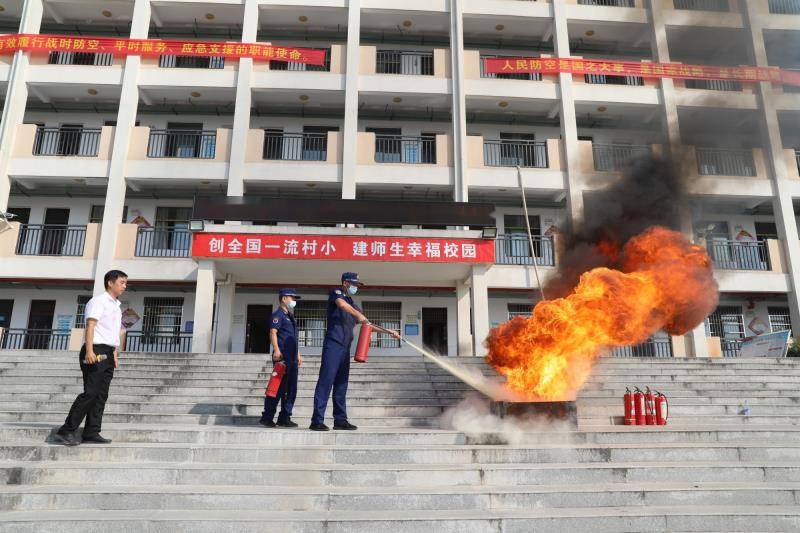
(650, 193)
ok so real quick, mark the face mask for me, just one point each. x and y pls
(352, 289)
(291, 304)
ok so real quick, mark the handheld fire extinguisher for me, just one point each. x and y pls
(649, 407)
(275, 379)
(638, 406)
(662, 409)
(362, 348)
(630, 420)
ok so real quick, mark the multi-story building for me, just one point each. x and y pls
(102, 157)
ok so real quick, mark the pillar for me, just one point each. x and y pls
(480, 309)
(350, 133)
(463, 319)
(222, 334)
(459, 103)
(204, 307)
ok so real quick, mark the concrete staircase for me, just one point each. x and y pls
(187, 455)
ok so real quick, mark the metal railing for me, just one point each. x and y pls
(654, 347)
(607, 79)
(209, 62)
(702, 5)
(507, 153)
(65, 141)
(731, 347)
(81, 58)
(533, 76)
(194, 144)
(142, 341)
(514, 249)
(714, 85)
(610, 3)
(408, 150)
(295, 146)
(725, 162)
(34, 339)
(797, 159)
(615, 157)
(51, 240)
(302, 67)
(163, 242)
(784, 7)
(404, 62)
(734, 255)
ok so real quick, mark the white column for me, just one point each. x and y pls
(222, 336)
(480, 309)
(463, 320)
(459, 103)
(350, 133)
(203, 307)
(16, 98)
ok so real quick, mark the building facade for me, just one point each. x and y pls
(102, 156)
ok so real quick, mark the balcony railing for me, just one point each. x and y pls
(654, 347)
(207, 62)
(506, 153)
(702, 5)
(725, 162)
(615, 157)
(182, 144)
(404, 62)
(605, 79)
(138, 341)
(65, 141)
(51, 240)
(714, 85)
(34, 339)
(295, 146)
(302, 67)
(408, 150)
(610, 3)
(80, 58)
(163, 242)
(515, 249)
(535, 76)
(734, 255)
(731, 347)
(784, 7)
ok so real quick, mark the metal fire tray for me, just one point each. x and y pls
(552, 411)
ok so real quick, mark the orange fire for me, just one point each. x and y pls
(665, 283)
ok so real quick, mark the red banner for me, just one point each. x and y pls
(156, 47)
(512, 65)
(341, 248)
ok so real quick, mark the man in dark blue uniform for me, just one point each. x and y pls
(284, 341)
(334, 372)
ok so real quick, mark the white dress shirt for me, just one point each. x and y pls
(108, 313)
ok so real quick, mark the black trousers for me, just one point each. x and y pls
(91, 403)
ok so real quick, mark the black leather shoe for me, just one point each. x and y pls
(319, 427)
(345, 426)
(95, 439)
(67, 439)
(267, 423)
(286, 424)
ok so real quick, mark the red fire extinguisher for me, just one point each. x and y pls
(628, 402)
(275, 379)
(662, 409)
(649, 407)
(638, 406)
(362, 348)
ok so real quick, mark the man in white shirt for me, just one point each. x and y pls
(98, 358)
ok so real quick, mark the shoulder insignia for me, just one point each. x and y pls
(275, 320)
(337, 291)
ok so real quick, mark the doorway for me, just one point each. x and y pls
(434, 329)
(257, 329)
(6, 308)
(54, 232)
(40, 324)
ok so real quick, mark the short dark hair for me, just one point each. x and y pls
(112, 276)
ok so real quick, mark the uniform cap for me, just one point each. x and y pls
(289, 292)
(352, 277)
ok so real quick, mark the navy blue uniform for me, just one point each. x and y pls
(287, 342)
(334, 371)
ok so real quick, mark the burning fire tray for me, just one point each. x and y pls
(551, 411)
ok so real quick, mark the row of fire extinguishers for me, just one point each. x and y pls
(649, 408)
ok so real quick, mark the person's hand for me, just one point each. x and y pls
(90, 358)
(277, 357)
(116, 359)
(299, 361)
(363, 320)
(394, 334)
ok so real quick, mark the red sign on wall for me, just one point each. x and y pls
(341, 248)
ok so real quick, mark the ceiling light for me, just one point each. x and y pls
(311, 185)
(302, 18)
(106, 13)
(93, 92)
(499, 27)
(407, 23)
(397, 99)
(589, 33)
(602, 109)
(2, 8)
(205, 182)
(304, 98)
(196, 94)
(408, 187)
(503, 104)
(210, 16)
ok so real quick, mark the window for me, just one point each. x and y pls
(312, 319)
(523, 310)
(80, 312)
(766, 230)
(779, 319)
(162, 317)
(516, 240)
(172, 228)
(386, 315)
(96, 215)
(727, 323)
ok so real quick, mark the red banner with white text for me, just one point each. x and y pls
(341, 248)
(514, 65)
(156, 47)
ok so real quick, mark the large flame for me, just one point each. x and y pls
(665, 283)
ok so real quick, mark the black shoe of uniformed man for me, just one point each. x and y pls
(319, 427)
(267, 423)
(67, 439)
(345, 426)
(286, 424)
(95, 439)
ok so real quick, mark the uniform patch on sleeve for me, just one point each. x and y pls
(275, 320)
(337, 291)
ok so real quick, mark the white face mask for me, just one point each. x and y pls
(352, 289)
(291, 304)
